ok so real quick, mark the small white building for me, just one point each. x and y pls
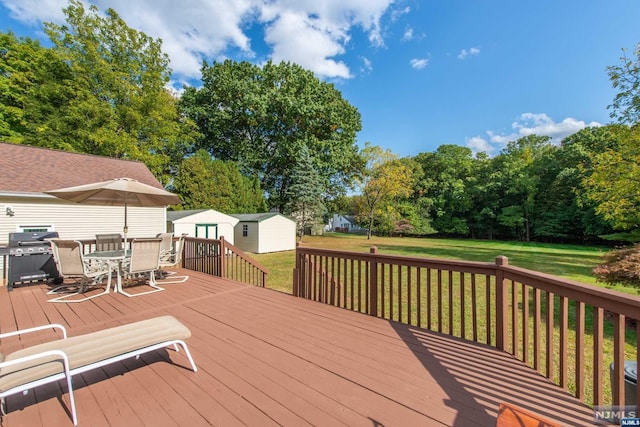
(265, 232)
(343, 223)
(203, 223)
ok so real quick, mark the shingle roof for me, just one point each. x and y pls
(257, 217)
(25, 168)
(175, 215)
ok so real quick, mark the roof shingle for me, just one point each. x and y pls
(30, 169)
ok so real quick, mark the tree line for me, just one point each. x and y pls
(274, 137)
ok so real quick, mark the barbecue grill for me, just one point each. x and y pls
(30, 258)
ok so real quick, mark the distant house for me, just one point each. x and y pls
(264, 232)
(203, 223)
(343, 223)
(26, 172)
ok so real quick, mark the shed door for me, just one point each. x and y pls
(207, 231)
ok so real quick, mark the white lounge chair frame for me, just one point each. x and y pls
(68, 372)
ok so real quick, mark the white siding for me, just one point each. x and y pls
(77, 221)
(277, 233)
(247, 243)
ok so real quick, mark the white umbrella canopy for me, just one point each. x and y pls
(118, 192)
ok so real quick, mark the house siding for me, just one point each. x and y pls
(77, 221)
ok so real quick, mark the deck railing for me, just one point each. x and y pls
(220, 258)
(568, 331)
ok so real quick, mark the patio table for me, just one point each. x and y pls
(114, 260)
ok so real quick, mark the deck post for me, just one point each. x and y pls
(373, 283)
(296, 272)
(222, 257)
(501, 304)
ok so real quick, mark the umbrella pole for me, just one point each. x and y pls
(126, 228)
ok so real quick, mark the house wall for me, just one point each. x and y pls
(77, 221)
(248, 243)
(277, 233)
(187, 225)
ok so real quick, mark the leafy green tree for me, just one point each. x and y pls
(626, 78)
(23, 65)
(384, 179)
(614, 182)
(105, 93)
(519, 163)
(448, 178)
(304, 194)
(256, 116)
(205, 183)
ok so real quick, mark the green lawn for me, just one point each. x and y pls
(569, 261)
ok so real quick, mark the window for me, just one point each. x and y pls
(34, 228)
(245, 230)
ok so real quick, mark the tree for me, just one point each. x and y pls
(448, 179)
(105, 94)
(256, 116)
(205, 183)
(626, 77)
(384, 179)
(304, 194)
(22, 70)
(519, 163)
(614, 182)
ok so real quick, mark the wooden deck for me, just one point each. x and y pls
(266, 358)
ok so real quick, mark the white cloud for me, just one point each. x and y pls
(529, 124)
(464, 52)
(408, 34)
(308, 32)
(367, 65)
(419, 63)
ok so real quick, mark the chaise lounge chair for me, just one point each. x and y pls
(61, 359)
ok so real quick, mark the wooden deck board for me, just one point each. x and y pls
(267, 358)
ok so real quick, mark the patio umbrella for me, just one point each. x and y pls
(118, 192)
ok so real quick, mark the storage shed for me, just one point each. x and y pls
(265, 232)
(203, 223)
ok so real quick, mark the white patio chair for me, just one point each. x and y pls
(173, 259)
(72, 265)
(109, 242)
(143, 264)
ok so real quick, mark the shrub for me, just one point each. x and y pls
(620, 266)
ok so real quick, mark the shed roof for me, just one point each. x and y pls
(256, 217)
(175, 215)
(25, 168)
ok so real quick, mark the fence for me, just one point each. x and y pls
(568, 331)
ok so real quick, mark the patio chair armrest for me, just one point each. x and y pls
(36, 328)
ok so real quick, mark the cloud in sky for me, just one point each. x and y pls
(528, 124)
(308, 32)
(419, 63)
(464, 52)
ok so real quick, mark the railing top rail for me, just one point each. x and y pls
(608, 299)
(435, 263)
(234, 249)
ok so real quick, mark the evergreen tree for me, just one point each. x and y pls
(305, 193)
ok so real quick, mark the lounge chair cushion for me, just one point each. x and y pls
(90, 348)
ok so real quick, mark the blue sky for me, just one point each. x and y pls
(422, 73)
